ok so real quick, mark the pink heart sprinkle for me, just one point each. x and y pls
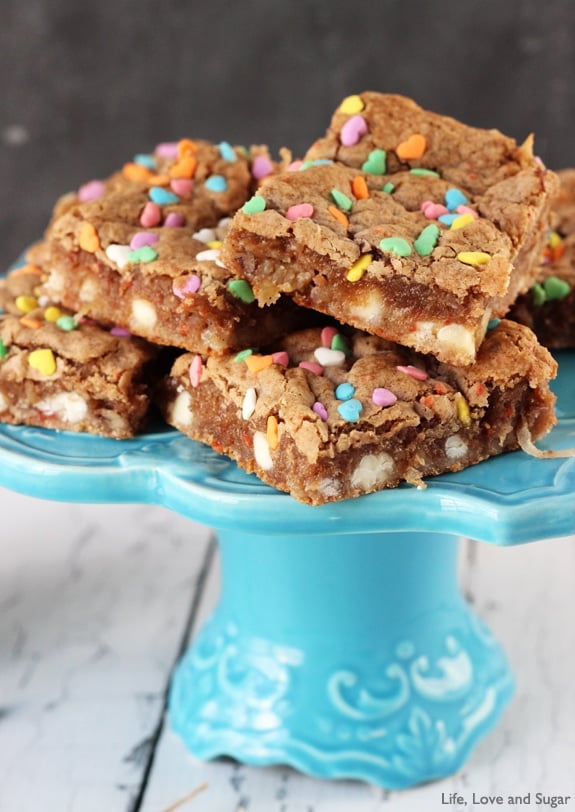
(299, 210)
(311, 367)
(261, 167)
(466, 210)
(168, 149)
(91, 190)
(174, 220)
(383, 397)
(182, 186)
(295, 166)
(320, 409)
(414, 372)
(191, 285)
(327, 336)
(352, 130)
(142, 238)
(281, 358)
(151, 215)
(433, 210)
(196, 368)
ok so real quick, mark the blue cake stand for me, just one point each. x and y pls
(341, 644)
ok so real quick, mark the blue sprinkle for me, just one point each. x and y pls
(216, 183)
(455, 198)
(350, 410)
(317, 162)
(345, 391)
(447, 219)
(145, 160)
(162, 196)
(492, 324)
(227, 152)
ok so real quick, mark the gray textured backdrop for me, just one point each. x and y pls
(84, 88)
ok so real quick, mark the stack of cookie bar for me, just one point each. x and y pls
(337, 335)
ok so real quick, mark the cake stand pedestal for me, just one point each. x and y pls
(341, 644)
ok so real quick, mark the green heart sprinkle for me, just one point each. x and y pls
(3, 349)
(388, 188)
(556, 288)
(243, 354)
(419, 170)
(241, 290)
(144, 254)
(343, 201)
(538, 295)
(426, 240)
(254, 205)
(376, 163)
(339, 342)
(66, 323)
(396, 245)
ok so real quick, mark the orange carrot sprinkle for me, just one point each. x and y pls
(88, 238)
(255, 363)
(359, 188)
(339, 216)
(137, 172)
(272, 432)
(184, 168)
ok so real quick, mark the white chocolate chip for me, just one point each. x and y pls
(457, 340)
(369, 308)
(262, 454)
(205, 235)
(249, 403)
(180, 411)
(210, 255)
(455, 447)
(373, 471)
(143, 316)
(330, 488)
(119, 254)
(329, 358)
(70, 407)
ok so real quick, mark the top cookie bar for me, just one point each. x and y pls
(402, 222)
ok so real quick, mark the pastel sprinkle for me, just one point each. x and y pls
(413, 372)
(462, 407)
(184, 168)
(241, 290)
(316, 162)
(299, 210)
(466, 210)
(227, 151)
(422, 172)
(52, 313)
(433, 210)
(345, 391)
(350, 410)
(359, 188)
(353, 130)
(376, 163)
(412, 148)
(339, 342)
(341, 200)
(388, 188)
(461, 221)
(455, 198)
(328, 357)
(28, 321)
(556, 288)
(91, 190)
(281, 358)
(448, 219)
(190, 285)
(142, 238)
(272, 432)
(396, 245)
(66, 323)
(262, 167)
(88, 238)
(205, 235)
(145, 160)
(257, 363)
(383, 397)
(254, 205)
(196, 369)
(151, 215)
(167, 149)
(3, 349)
(182, 186)
(492, 324)
(161, 196)
(426, 240)
(26, 304)
(359, 268)
(216, 183)
(43, 360)
(320, 410)
(174, 220)
(327, 336)
(339, 216)
(209, 255)
(295, 166)
(311, 367)
(144, 254)
(243, 354)
(214, 244)
(351, 105)
(120, 332)
(119, 254)
(473, 257)
(249, 403)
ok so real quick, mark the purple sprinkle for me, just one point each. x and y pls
(191, 285)
(168, 149)
(383, 397)
(261, 167)
(122, 332)
(320, 410)
(91, 190)
(175, 220)
(142, 238)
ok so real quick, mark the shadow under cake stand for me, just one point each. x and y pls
(341, 644)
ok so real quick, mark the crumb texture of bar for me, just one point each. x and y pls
(329, 414)
(401, 222)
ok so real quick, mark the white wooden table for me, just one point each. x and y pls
(96, 604)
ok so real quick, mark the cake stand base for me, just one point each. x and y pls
(344, 656)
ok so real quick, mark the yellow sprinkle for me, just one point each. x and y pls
(351, 105)
(52, 313)
(554, 240)
(462, 221)
(88, 238)
(214, 244)
(272, 432)
(43, 360)
(473, 257)
(462, 406)
(359, 267)
(26, 304)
